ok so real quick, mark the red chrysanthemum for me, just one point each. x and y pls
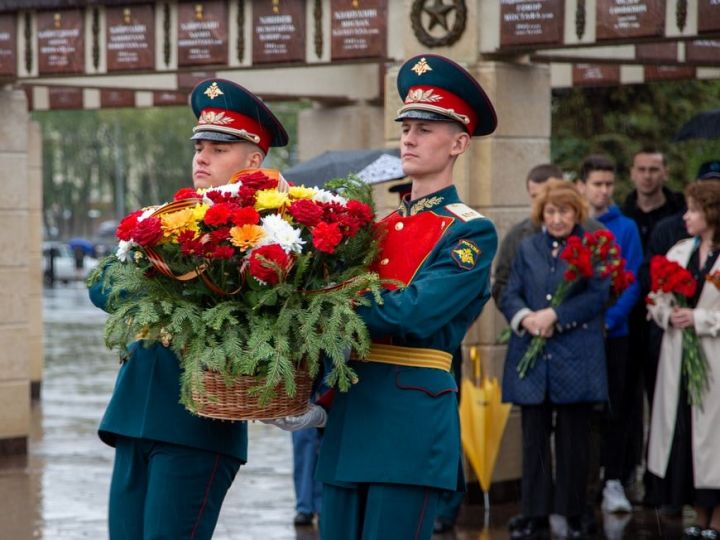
(219, 214)
(148, 231)
(186, 193)
(246, 215)
(257, 180)
(268, 263)
(126, 227)
(189, 245)
(306, 212)
(222, 252)
(361, 211)
(326, 236)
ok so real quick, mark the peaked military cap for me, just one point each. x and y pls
(436, 88)
(710, 170)
(227, 112)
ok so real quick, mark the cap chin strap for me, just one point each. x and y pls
(241, 133)
(450, 113)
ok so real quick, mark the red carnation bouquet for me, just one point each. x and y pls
(247, 279)
(595, 254)
(671, 286)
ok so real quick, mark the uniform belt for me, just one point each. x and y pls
(409, 356)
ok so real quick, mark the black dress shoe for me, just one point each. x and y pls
(516, 522)
(303, 519)
(534, 529)
(442, 526)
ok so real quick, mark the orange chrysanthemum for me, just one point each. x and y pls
(246, 236)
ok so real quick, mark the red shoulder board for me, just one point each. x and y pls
(407, 243)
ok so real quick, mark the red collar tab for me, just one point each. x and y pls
(233, 123)
(439, 100)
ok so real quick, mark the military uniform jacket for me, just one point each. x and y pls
(145, 403)
(400, 424)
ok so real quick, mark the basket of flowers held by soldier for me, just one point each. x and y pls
(250, 285)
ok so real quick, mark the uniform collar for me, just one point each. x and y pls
(443, 197)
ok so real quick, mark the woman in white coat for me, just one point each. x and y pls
(684, 447)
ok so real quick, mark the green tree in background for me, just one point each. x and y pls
(621, 120)
(98, 165)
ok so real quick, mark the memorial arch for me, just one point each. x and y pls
(341, 55)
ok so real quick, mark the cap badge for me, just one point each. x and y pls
(214, 118)
(421, 67)
(422, 96)
(213, 91)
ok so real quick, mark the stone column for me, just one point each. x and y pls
(490, 178)
(347, 127)
(15, 273)
(35, 286)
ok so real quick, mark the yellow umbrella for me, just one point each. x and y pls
(482, 422)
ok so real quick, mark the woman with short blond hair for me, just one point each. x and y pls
(568, 377)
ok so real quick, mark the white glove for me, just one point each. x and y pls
(314, 417)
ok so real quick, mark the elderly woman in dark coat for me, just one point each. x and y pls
(569, 375)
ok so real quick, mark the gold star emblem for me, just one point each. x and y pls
(421, 67)
(213, 91)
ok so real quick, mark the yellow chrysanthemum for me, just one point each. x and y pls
(246, 236)
(270, 199)
(199, 212)
(175, 223)
(301, 192)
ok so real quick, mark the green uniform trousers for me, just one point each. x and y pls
(162, 491)
(378, 512)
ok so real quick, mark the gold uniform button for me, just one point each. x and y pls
(385, 262)
(399, 226)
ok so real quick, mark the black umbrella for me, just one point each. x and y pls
(705, 125)
(334, 164)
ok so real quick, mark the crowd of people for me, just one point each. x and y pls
(389, 459)
(601, 350)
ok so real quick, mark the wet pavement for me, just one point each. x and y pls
(59, 490)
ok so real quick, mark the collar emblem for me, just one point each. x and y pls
(213, 91)
(420, 205)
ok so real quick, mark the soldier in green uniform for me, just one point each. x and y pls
(392, 442)
(172, 469)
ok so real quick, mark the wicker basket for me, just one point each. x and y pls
(234, 402)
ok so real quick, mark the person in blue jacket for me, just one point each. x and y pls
(569, 375)
(596, 182)
(172, 469)
(392, 442)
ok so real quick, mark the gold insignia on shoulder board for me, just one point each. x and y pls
(421, 67)
(213, 91)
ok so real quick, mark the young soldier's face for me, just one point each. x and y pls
(428, 147)
(215, 162)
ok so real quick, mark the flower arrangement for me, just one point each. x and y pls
(246, 279)
(595, 253)
(673, 284)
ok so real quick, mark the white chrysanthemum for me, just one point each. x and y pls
(226, 189)
(123, 249)
(325, 196)
(279, 231)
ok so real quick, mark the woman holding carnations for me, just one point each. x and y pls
(568, 374)
(684, 446)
